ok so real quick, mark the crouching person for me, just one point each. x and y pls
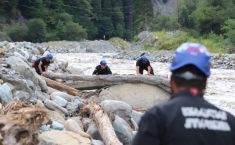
(41, 65)
(102, 69)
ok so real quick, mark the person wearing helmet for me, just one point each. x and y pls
(142, 64)
(102, 69)
(42, 63)
(187, 118)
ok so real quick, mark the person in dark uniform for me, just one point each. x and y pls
(102, 69)
(187, 118)
(142, 64)
(42, 63)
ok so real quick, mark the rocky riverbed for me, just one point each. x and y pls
(22, 90)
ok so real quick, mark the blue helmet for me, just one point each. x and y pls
(192, 54)
(103, 62)
(50, 56)
(143, 57)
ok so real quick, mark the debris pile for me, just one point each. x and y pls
(46, 111)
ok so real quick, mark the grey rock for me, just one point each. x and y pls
(57, 125)
(53, 106)
(63, 95)
(136, 116)
(123, 130)
(96, 142)
(30, 84)
(21, 56)
(72, 125)
(59, 100)
(78, 121)
(45, 128)
(55, 137)
(24, 69)
(93, 132)
(99, 47)
(22, 96)
(5, 94)
(119, 108)
(74, 106)
(86, 122)
(24, 53)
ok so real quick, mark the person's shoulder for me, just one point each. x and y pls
(160, 107)
(98, 66)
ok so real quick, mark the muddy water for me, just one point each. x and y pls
(221, 85)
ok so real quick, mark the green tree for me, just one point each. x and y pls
(82, 12)
(209, 19)
(186, 8)
(18, 32)
(229, 28)
(36, 30)
(72, 31)
(31, 8)
(143, 15)
(165, 23)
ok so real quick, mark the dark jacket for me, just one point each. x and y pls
(45, 63)
(186, 120)
(99, 71)
(143, 65)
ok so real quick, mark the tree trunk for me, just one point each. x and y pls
(104, 125)
(62, 87)
(107, 80)
(85, 85)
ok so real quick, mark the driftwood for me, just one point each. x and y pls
(107, 80)
(104, 125)
(86, 85)
(20, 122)
(62, 87)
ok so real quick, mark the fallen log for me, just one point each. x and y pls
(85, 85)
(102, 80)
(104, 125)
(61, 87)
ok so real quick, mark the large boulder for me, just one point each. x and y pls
(119, 108)
(5, 94)
(62, 138)
(137, 95)
(24, 69)
(123, 130)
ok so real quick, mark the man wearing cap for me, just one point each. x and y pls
(102, 69)
(142, 64)
(42, 63)
(186, 118)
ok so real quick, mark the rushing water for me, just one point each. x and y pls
(221, 85)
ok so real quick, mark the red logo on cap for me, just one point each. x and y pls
(193, 50)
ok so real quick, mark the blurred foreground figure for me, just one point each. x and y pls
(186, 118)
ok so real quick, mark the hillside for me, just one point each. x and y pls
(75, 20)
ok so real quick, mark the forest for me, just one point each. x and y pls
(74, 20)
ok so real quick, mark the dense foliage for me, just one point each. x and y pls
(44, 20)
